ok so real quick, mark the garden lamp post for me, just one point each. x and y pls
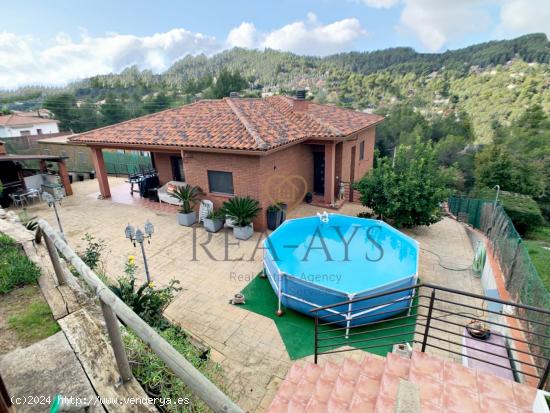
(137, 235)
(52, 201)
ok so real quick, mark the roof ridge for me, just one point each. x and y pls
(248, 126)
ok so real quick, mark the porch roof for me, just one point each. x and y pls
(235, 124)
(11, 157)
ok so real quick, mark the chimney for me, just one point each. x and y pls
(299, 104)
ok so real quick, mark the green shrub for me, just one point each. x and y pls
(189, 196)
(92, 254)
(242, 210)
(16, 270)
(146, 301)
(522, 209)
(159, 381)
(407, 190)
(215, 214)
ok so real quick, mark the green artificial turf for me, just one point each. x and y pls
(297, 330)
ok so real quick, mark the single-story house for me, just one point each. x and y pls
(18, 125)
(248, 146)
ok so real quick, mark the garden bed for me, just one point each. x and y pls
(25, 316)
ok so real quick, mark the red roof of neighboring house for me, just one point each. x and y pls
(234, 123)
(18, 120)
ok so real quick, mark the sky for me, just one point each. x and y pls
(57, 41)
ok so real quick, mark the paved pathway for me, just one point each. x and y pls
(212, 268)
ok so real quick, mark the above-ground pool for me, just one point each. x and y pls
(321, 260)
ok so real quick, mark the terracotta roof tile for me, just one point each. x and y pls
(19, 120)
(234, 123)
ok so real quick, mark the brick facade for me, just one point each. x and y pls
(282, 175)
(163, 165)
(360, 167)
(259, 176)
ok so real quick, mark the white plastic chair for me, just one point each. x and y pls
(32, 195)
(17, 200)
(206, 207)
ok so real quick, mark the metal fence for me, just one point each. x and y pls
(523, 282)
(439, 318)
(126, 163)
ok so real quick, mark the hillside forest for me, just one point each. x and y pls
(484, 109)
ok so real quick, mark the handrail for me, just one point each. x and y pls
(198, 383)
(437, 287)
(330, 337)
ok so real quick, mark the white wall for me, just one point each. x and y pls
(10, 132)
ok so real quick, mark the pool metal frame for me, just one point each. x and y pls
(276, 276)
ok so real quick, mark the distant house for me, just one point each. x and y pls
(240, 146)
(16, 125)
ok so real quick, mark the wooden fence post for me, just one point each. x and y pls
(54, 256)
(113, 329)
(194, 379)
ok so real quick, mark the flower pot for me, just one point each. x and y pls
(274, 219)
(212, 225)
(187, 219)
(282, 215)
(243, 233)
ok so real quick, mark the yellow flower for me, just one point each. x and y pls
(131, 259)
(151, 285)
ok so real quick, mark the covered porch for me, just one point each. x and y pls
(16, 179)
(167, 166)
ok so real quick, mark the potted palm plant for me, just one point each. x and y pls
(241, 211)
(274, 213)
(188, 196)
(214, 220)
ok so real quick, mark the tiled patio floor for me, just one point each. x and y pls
(211, 268)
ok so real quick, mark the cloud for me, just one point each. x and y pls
(436, 22)
(23, 59)
(525, 16)
(244, 35)
(303, 37)
(380, 4)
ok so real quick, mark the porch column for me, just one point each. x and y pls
(330, 165)
(101, 172)
(43, 166)
(64, 175)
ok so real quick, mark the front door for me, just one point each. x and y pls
(177, 168)
(319, 173)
